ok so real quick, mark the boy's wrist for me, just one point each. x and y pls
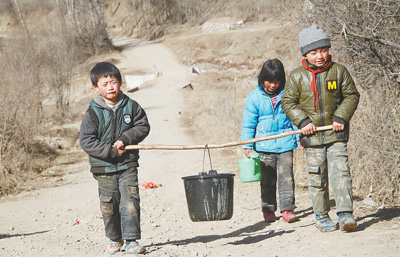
(113, 152)
(304, 123)
(339, 120)
(124, 139)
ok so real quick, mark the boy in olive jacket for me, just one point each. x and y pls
(113, 121)
(319, 93)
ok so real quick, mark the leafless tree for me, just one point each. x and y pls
(21, 18)
(37, 67)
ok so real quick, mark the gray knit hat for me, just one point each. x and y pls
(312, 38)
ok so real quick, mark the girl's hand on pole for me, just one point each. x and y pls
(247, 151)
(309, 129)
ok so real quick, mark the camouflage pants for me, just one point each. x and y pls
(120, 204)
(277, 167)
(324, 164)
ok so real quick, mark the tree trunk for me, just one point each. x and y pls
(21, 17)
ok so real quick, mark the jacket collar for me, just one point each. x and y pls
(100, 101)
(313, 67)
(261, 89)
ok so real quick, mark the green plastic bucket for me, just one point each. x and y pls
(250, 168)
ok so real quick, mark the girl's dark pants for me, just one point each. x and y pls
(277, 167)
(120, 204)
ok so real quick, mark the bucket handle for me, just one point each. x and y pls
(209, 156)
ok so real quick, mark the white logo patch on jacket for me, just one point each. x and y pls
(127, 118)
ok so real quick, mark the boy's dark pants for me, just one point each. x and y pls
(120, 204)
(324, 164)
(277, 166)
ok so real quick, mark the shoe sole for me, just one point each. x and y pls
(142, 250)
(292, 219)
(112, 253)
(326, 229)
(347, 227)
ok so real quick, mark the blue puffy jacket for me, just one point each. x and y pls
(261, 119)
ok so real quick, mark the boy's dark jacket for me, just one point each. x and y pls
(101, 127)
(338, 100)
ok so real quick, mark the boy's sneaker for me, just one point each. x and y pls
(347, 221)
(269, 216)
(324, 223)
(114, 246)
(134, 248)
(289, 216)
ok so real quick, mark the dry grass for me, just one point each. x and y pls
(38, 63)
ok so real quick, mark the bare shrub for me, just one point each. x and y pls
(194, 11)
(84, 22)
(197, 12)
(59, 69)
(152, 13)
(149, 18)
(77, 34)
(70, 32)
(374, 146)
(5, 6)
(152, 18)
(37, 67)
(20, 116)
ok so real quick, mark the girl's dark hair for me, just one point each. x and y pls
(104, 69)
(272, 71)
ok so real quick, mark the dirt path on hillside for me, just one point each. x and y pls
(66, 220)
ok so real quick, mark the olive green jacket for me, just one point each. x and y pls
(338, 99)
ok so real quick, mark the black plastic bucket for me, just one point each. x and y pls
(209, 196)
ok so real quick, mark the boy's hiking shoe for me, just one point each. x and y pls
(134, 248)
(324, 223)
(289, 216)
(114, 246)
(347, 221)
(269, 216)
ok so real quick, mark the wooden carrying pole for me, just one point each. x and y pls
(190, 147)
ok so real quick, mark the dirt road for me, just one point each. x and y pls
(66, 221)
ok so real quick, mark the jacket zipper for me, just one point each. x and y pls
(114, 132)
(321, 111)
(273, 116)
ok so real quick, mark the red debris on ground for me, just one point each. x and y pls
(149, 185)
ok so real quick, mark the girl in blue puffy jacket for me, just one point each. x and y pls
(263, 116)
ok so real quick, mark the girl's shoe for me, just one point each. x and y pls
(289, 216)
(324, 223)
(134, 248)
(269, 216)
(114, 246)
